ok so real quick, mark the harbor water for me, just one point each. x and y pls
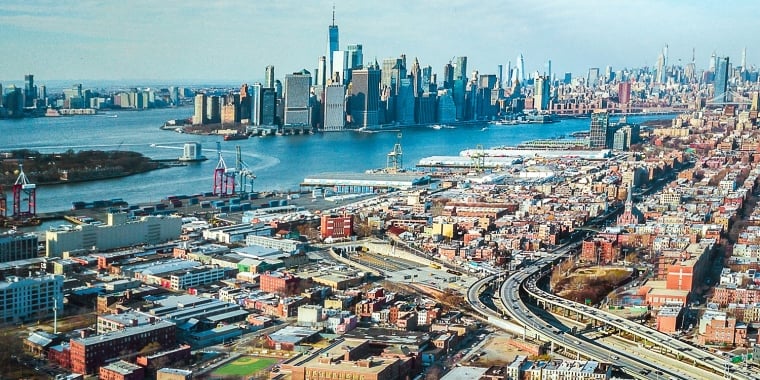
(279, 162)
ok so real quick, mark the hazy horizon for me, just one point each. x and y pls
(229, 42)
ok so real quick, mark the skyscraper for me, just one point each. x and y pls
(598, 132)
(199, 116)
(721, 80)
(541, 95)
(460, 68)
(268, 106)
(592, 80)
(30, 93)
(255, 117)
(624, 93)
(269, 77)
(296, 98)
(321, 75)
(365, 97)
(448, 76)
(340, 66)
(333, 40)
(355, 56)
(416, 75)
(335, 107)
(520, 66)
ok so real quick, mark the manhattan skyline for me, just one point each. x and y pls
(231, 41)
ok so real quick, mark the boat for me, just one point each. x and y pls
(52, 112)
(436, 126)
(235, 136)
(484, 129)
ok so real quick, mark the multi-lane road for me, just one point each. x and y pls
(521, 285)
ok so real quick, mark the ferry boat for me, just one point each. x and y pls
(235, 136)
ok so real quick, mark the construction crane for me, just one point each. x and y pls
(244, 171)
(395, 161)
(224, 177)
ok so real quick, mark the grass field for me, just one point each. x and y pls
(243, 366)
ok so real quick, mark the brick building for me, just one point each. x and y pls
(279, 282)
(88, 353)
(336, 226)
(121, 370)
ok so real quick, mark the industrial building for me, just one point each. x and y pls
(17, 246)
(30, 298)
(118, 232)
(345, 183)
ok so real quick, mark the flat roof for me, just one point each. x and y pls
(123, 333)
(365, 179)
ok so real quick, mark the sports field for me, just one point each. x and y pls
(244, 366)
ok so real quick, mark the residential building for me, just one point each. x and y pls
(30, 298)
(17, 246)
(336, 226)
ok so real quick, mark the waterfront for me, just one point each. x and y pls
(280, 162)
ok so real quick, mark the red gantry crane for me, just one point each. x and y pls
(224, 177)
(24, 197)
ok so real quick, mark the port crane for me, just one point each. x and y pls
(395, 161)
(246, 174)
(224, 177)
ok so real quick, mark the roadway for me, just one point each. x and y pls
(520, 313)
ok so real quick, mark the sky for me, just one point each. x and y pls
(187, 41)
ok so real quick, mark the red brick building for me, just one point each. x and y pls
(337, 226)
(88, 353)
(279, 282)
(600, 251)
(121, 370)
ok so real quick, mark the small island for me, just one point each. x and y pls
(71, 166)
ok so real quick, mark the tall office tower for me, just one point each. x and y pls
(592, 80)
(690, 72)
(199, 116)
(335, 107)
(608, 74)
(30, 93)
(174, 91)
(333, 42)
(509, 73)
(255, 118)
(340, 66)
(660, 74)
(427, 78)
(405, 102)
(721, 80)
(41, 94)
(355, 56)
(278, 88)
(520, 65)
(624, 92)
(541, 93)
(568, 78)
(500, 69)
(321, 75)
(713, 62)
(244, 104)
(297, 111)
(447, 111)
(269, 77)
(214, 109)
(549, 70)
(755, 104)
(268, 106)
(744, 58)
(460, 69)
(665, 56)
(597, 137)
(365, 97)
(448, 76)
(2, 94)
(416, 74)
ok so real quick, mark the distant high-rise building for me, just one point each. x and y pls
(297, 86)
(214, 109)
(335, 107)
(321, 75)
(199, 116)
(520, 66)
(660, 74)
(568, 78)
(665, 56)
(624, 92)
(427, 79)
(333, 41)
(405, 102)
(278, 88)
(448, 75)
(269, 77)
(755, 103)
(340, 66)
(365, 97)
(592, 80)
(355, 56)
(256, 89)
(500, 72)
(268, 106)
(721, 80)
(447, 111)
(598, 132)
(541, 93)
(549, 70)
(460, 68)
(416, 75)
(30, 93)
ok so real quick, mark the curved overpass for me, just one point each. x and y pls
(526, 280)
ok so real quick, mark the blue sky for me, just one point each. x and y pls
(189, 40)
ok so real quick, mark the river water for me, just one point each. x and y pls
(280, 162)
